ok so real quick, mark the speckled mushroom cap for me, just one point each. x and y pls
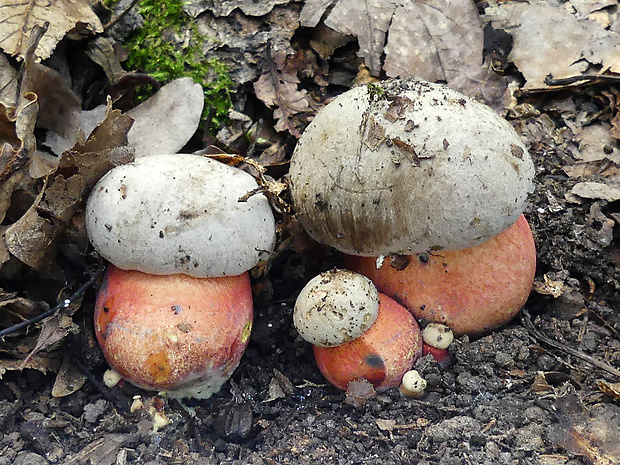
(167, 214)
(335, 307)
(406, 166)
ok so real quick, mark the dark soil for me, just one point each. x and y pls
(509, 397)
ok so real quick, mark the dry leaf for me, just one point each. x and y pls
(611, 389)
(596, 190)
(277, 88)
(103, 451)
(69, 379)
(435, 40)
(54, 330)
(58, 105)
(225, 7)
(43, 362)
(442, 40)
(386, 425)
(17, 144)
(603, 167)
(63, 16)
(166, 121)
(592, 433)
(549, 40)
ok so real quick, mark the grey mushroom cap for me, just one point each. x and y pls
(168, 214)
(406, 166)
(336, 307)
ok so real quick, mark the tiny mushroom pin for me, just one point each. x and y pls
(418, 172)
(174, 312)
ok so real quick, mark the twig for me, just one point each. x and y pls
(529, 325)
(583, 79)
(65, 303)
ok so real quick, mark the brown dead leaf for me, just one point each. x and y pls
(550, 40)
(34, 238)
(54, 330)
(73, 17)
(591, 432)
(44, 362)
(69, 378)
(17, 144)
(435, 40)
(442, 40)
(102, 451)
(597, 190)
(611, 389)
(278, 89)
(225, 7)
(58, 105)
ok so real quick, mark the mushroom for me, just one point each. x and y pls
(167, 214)
(181, 232)
(335, 307)
(176, 333)
(412, 384)
(436, 338)
(405, 167)
(382, 355)
(472, 290)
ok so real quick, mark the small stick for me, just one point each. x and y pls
(529, 325)
(65, 303)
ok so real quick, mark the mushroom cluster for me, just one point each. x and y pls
(356, 332)
(175, 310)
(423, 190)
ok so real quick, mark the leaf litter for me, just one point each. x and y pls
(504, 391)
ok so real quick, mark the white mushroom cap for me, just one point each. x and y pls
(413, 384)
(406, 166)
(336, 307)
(437, 335)
(168, 214)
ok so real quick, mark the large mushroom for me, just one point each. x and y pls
(175, 311)
(407, 169)
(406, 166)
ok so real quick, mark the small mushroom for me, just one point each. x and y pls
(412, 384)
(407, 166)
(382, 355)
(437, 335)
(436, 338)
(335, 307)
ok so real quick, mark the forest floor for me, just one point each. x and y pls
(543, 390)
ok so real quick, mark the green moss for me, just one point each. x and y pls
(155, 49)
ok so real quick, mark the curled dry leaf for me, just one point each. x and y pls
(591, 432)
(34, 237)
(434, 40)
(73, 17)
(166, 121)
(225, 7)
(277, 88)
(571, 46)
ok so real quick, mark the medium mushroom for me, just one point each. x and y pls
(335, 307)
(382, 355)
(175, 311)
